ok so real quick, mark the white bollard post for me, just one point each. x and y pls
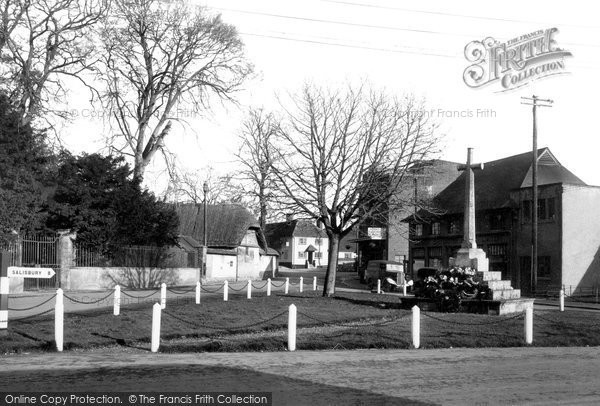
(404, 289)
(269, 287)
(301, 284)
(315, 283)
(156, 310)
(561, 300)
(292, 328)
(163, 295)
(378, 286)
(287, 285)
(249, 291)
(59, 317)
(198, 289)
(529, 325)
(416, 326)
(117, 301)
(225, 291)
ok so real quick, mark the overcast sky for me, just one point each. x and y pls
(406, 47)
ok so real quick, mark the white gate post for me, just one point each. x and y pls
(404, 288)
(315, 283)
(59, 317)
(269, 287)
(117, 301)
(378, 286)
(561, 299)
(163, 295)
(156, 310)
(287, 285)
(225, 291)
(292, 328)
(301, 284)
(529, 325)
(4, 289)
(198, 288)
(249, 291)
(416, 326)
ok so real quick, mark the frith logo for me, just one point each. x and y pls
(516, 62)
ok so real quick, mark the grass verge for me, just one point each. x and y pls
(347, 321)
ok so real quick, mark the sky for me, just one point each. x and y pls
(405, 48)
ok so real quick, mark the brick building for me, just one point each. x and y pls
(568, 226)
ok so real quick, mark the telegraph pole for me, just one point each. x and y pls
(534, 101)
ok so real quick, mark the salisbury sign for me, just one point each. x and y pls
(516, 62)
(27, 272)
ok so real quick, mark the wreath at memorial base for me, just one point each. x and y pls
(449, 287)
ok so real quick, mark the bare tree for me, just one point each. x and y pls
(344, 157)
(159, 56)
(188, 187)
(256, 156)
(42, 43)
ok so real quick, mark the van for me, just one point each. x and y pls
(390, 273)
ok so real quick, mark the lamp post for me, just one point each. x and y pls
(205, 245)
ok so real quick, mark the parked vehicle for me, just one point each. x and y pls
(346, 266)
(390, 273)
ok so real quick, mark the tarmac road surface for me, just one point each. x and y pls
(486, 376)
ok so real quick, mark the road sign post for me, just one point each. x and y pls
(30, 272)
(4, 289)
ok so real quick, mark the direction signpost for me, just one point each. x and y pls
(30, 272)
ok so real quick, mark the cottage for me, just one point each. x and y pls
(237, 248)
(300, 243)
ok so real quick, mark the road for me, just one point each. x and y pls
(506, 376)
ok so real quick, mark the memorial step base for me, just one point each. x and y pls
(489, 307)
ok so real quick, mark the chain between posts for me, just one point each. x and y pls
(277, 286)
(213, 327)
(92, 302)
(32, 307)
(202, 288)
(504, 320)
(181, 292)
(24, 319)
(347, 323)
(238, 290)
(123, 292)
(256, 287)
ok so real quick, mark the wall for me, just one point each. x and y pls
(297, 247)
(581, 236)
(221, 267)
(98, 278)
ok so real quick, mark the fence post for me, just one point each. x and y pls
(287, 285)
(314, 283)
(225, 291)
(561, 300)
(156, 310)
(416, 326)
(4, 289)
(59, 316)
(301, 284)
(249, 291)
(269, 287)
(117, 301)
(378, 286)
(198, 288)
(529, 325)
(163, 295)
(404, 288)
(292, 328)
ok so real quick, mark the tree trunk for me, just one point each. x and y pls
(334, 247)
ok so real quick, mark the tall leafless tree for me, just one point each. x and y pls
(43, 43)
(344, 157)
(256, 155)
(160, 57)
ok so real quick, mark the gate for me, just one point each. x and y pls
(39, 251)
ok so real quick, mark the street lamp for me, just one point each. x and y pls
(205, 245)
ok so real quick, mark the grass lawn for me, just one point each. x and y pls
(347, 321)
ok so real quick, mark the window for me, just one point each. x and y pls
(302, 241)
(347, 255)
(526, 210)
(551, 208)
(318, 241)
(318, 255)
(419, 230)
(544, 267)
(454, 227)
(435, 228)
(541, 209)
(301, 254)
